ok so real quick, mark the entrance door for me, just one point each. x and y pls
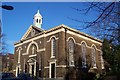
(26, 68)
(18, 71)
(53, 70)
(32, 70)
(32, 66)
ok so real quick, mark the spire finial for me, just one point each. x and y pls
(38, 11)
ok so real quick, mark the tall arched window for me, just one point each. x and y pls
(19, 54)
(33, 49)
(102, 61)
(93, 57)
(83, 46)
(53, 47)
(71, 52)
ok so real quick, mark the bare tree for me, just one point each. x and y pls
(107, 23)
(3, 48)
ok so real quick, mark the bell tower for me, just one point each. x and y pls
(37, 20)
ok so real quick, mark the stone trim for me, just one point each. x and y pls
(19, 53)
(18, 66)
(82, 42)
(28, 31)
(52, 37)
(81, 36)
(102, 60)
(39, 36)
(58, 66)
(62, 66)
(61, 29)
(46, 67)
(19, 48)
(33, 42)
(24, 54)
(40, 50)
(30, 68)
(14, 70)
(33, 55)
(71, 38)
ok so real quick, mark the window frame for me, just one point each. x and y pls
(84, 59)
(71, 48)
(53, 47)
(93, 51)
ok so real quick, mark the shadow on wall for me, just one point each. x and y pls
(79, 73)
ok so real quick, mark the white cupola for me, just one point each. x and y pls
(37, 19)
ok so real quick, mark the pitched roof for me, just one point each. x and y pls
(29, 30)
(56, 28)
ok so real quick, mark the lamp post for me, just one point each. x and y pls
(6, 7)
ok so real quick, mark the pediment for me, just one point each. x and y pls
(31, 60)
(32, 30)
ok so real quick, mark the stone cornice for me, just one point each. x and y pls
(45, 32)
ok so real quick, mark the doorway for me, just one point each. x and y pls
(32, 70)
(53, 70)
(18, 71)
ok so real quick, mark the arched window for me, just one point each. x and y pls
(71, 52)
(37, 20)
(33, 49)
(93, 57)
(53, 47)
(83, 46)
(102, 61)
(19, 53)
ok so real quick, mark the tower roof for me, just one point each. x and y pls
(38, 14)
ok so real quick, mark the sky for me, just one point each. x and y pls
(16, 22)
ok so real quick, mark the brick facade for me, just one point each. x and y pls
(33, 53)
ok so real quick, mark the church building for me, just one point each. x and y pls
(55, 52)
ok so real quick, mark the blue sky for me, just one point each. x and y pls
(16, 22)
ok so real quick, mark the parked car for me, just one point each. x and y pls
(26, 76)
(6, 75)
(21, 76)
